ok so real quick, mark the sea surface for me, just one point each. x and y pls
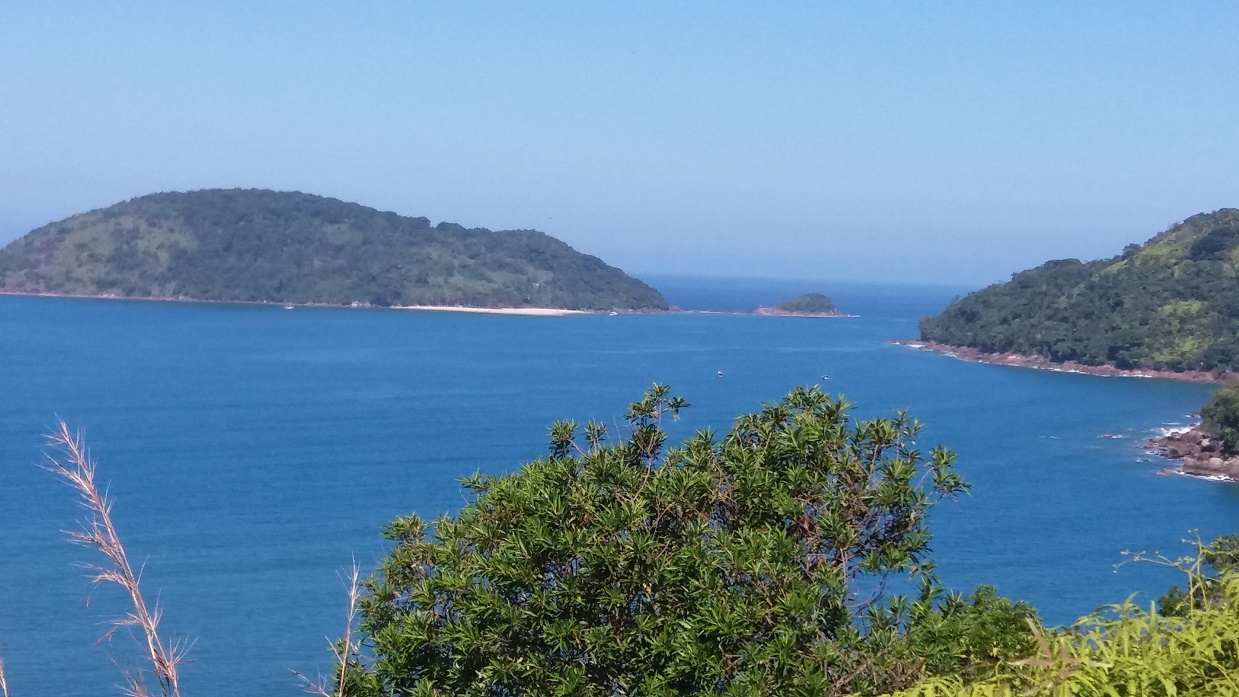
(253, 452)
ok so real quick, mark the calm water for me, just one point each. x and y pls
(253, 451)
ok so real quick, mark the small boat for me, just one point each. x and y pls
(613, 313)
(288, 307)
(720, 373)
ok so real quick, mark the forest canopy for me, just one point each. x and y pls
(1171, 304)
(288, 247)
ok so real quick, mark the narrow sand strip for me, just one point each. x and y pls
(530, 311)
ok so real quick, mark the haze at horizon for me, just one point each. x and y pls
(945, 144)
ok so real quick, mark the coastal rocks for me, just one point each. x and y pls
(1199, 454)
(779, 312)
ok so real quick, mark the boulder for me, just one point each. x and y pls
(1178, 451)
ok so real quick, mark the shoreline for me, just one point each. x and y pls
(511, 311)
(1016, 360)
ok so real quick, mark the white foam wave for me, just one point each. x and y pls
(1206, 477)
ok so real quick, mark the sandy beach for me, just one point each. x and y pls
(527, 311)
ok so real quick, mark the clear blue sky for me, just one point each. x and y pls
(947, 142)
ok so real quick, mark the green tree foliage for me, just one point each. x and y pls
(1220, 417)
(754, 563)
(970, 636)
(808, 304)
(1172, 304)
(287, 247)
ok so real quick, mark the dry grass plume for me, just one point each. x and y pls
(69, 459)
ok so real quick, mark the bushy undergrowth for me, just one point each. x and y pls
(1125, 650)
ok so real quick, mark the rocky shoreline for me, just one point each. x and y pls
(1199, 454)
(1040, 363)
(778, 312)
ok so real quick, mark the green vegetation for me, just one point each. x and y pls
(1172, 304)
(748, 564)
(1126, 650)
(1212, 563)
(285, 247)
(808, 304)
(1220, 417)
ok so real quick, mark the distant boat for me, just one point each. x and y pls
(720, 373)
(613, 313)
(288, 307)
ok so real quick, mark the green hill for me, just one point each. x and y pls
(1171, 304)
(289, 247)
(808, 304)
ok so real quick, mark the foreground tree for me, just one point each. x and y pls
(751, 564)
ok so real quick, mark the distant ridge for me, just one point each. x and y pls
(1171, 304)
(253, 245)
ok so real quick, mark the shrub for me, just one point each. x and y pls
(755, 563)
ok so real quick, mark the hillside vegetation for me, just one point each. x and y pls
(289, 247)
(1171, 304)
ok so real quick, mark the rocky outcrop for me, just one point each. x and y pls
(779, 312)
(1200, 455)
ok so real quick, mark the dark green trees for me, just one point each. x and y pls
(1220, 417)
(754, 563)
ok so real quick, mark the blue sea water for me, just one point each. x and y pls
(253, 452)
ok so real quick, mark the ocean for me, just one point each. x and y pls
(253, 452)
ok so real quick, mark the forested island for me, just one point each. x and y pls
(1170, 305)
(249, 245)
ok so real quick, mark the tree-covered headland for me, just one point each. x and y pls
(289, 247)
(1170, 304)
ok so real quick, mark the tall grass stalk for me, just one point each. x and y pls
(347, 651)
(71, 461)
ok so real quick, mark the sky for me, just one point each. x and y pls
(952, 143)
